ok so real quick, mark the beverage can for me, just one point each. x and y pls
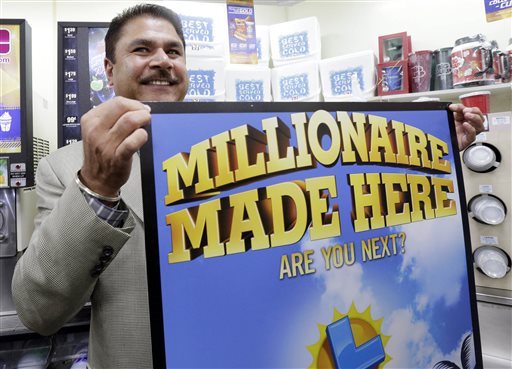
(471, 60)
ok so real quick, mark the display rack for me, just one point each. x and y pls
(501, 95)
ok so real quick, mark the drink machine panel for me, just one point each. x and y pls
(16, 152)
(487, 178)
(16, 158)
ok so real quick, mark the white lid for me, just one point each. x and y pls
(479, 158)
(475, 94)
(489, 210)
(425, 98)
(492, 261)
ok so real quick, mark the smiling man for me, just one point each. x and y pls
(88, 243)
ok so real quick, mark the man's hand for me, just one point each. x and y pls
(468, 123)
(111, 133)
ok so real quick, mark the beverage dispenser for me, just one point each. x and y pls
(487, 178)
(17, 195)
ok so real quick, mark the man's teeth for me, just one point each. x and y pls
(159, 83)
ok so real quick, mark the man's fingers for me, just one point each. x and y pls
(131, 144)
(128, 123)
(105, 115)
(470, 131)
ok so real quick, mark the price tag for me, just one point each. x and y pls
(489, 240)
(485, 188)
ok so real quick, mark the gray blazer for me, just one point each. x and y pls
(54, 278)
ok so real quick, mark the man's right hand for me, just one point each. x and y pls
(111, 133)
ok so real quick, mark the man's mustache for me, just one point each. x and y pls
(161, 75)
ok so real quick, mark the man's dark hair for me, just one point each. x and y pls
(151, 10)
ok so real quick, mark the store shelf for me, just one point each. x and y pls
(501, 95)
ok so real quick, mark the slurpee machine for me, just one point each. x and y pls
(16, 146)
(17, 195)
(19, 155)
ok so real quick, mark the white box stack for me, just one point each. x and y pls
(296, 82)
(206, 38)
(246, 82)
(295, 41)
(350, 77)
(204, 28)
(295, 50)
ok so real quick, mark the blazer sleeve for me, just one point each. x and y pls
(55, 276)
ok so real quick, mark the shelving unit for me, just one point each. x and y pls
(501, 95)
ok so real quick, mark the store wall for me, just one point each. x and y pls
(351, 26)
(43, 16)
(346, 27)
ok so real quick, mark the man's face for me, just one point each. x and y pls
(149, 62)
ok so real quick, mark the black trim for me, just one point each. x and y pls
(152, 257)
(236, 107)
(467, 241)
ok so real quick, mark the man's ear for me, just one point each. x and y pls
(109, 66)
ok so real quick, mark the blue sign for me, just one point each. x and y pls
(307, 235)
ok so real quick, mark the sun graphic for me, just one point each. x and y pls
(364, 328)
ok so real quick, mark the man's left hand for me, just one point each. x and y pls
(468, 123)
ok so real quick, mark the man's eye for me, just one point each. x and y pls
(141, 50)
(173, 52)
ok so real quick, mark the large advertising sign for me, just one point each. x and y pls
(307, 235)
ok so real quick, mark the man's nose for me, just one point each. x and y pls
(160, 59)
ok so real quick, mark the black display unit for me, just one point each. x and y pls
(16, 132)
(82, 83)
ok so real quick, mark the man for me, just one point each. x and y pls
(74, 255)
(88, 244)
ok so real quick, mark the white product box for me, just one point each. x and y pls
(263, 45)
(296, 82)
(207, 79)
(294, 41)
(349, 77)
(248, 83)
(204, 27)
